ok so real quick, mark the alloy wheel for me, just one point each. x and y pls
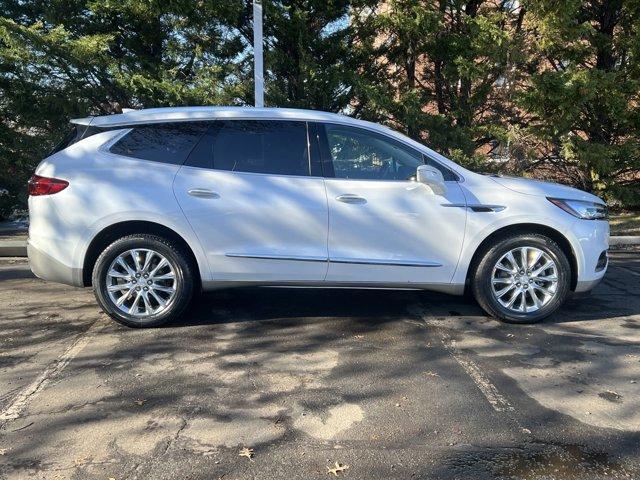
(141, 282)
(524, 280)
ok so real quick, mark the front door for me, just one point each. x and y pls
(248, 193)
(384, 227)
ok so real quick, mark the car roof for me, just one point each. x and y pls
(177, 114)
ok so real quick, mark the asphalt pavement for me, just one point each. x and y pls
(388, 384)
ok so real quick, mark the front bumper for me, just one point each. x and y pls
(593, 241)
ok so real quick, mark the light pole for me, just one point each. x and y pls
(258, 76)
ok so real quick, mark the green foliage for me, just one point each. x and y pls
(64, 59)
(440, 63)
(582, 96)
(539, 82)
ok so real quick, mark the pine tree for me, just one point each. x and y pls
(60, 60)
(583, 95)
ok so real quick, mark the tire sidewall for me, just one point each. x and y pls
(485, 271)
(184, 282)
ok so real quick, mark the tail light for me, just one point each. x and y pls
(45, 186)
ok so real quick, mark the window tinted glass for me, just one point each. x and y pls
(166, 143)
(275, 147)
(360, 154)
(69, 139)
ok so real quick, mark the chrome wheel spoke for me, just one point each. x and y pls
(133, 309)
(520, 289)
(131, 282)
(524, 257)
(166, 276)
(160, 300)
(147, 305)
(501, 293)
(550, 278)
(120, 261)
(536, 301)
(536, 258)
(512, 261)
(548, 265)
(499, 266)
(163, 263)
(115, 274)
(121, 300)
(147, 260)
(161, 288)
(119, 287)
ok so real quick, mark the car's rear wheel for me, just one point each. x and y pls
(522, 279)
(143, 280)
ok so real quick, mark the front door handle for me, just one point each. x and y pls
(351, 198)
(202, 193)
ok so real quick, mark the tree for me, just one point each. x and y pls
(309, 52)
(583, 95)
(441, 71)
(60, 60)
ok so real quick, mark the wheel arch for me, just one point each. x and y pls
(121, 229)
(524, 228)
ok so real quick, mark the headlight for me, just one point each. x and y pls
(582, 209)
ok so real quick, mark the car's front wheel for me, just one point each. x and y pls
(143, 280)
(522, 279)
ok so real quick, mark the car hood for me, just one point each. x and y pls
(545, 189)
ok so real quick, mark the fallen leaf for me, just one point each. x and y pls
(246, 452)
(337, 468)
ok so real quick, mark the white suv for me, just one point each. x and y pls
(152, 205)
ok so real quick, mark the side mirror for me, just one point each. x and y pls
(431, 177)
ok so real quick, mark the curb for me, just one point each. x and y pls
(18, 248)
(620, 241)
(13, 248)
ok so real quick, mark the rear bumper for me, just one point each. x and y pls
(48, 268)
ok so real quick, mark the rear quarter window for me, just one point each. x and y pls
(165, 143)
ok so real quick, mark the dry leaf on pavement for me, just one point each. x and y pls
(246, 452)
(337, 468)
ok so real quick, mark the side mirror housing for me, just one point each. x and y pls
(431, 177)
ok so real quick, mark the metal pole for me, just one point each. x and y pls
(258, 76)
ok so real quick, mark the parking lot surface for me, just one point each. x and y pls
(388, 384)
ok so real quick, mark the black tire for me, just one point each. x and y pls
(482, 278)
(184, 279)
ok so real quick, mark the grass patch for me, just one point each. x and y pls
(627, 223)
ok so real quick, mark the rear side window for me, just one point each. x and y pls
(164, 143)
(254, 146)
(73, 136)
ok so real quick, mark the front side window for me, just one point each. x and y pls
(356, 153)
(359, 154)
(254, 146)
(164, 143)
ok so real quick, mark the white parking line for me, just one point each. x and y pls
(16, 407)
(488, 389)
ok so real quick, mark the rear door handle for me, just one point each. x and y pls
(202, 193)
(351, 198)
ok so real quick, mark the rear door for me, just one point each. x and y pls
(248, 192)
